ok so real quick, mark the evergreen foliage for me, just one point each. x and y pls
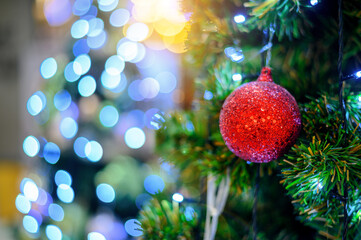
(325, 163)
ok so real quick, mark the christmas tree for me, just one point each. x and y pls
(243, 174)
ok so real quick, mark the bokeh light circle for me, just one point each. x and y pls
(79, 146)
(154, 184)
(30, 224)
(36, 103)
(93, 151)
(119, 17)
(96, 236)
(51, 152)
(56, 212)
(65, 193)
(109, 116)
(105, 193)
(31, 190)
(79, 28)
(87, 86)
(62, 177)
(134, 137)
(114, 65)
(48, 68)
(68, 127)
(84, 62)
(149, 88)
(137, 32)
(53, 232)
(57, 12)
(31, 146)
(22, 204)
(62, 100)
(131, 227)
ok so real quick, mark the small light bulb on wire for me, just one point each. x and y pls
(237, 77)
(178, 197)
(314, 2)
(358, 74)
(239, 18)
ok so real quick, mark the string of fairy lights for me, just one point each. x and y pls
(151, 32)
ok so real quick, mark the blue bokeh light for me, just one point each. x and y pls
(208, 95)
(48, 68)
(126, 49)
(154, 184)
(79, 28)
(110, 81)
(51, 153)
(84, 62)
(31, 190)
(69, 73)
(149, 88)
(87, 86)
(97, 41)
(43, 198)
(37, 215)
(68, 127)
(114, 65)
(107, 5)
(62, 100)
(53, 232)
(167, 82)
(96, 26)
(141, 52)
(56, 212)
(65, 193)
(134, 138)
(22, 204)
(79, 146)
(119, 17)
(121, 86)
(31, 146)
(57, 12)
(96, 236)
(36, 103)
(81, 7)
(133, 91)
(72, 111)
(105, 193)
(62, 177)
(80, 47)
(109, 116)
(131, 227)
(30, 224)
(93, 151)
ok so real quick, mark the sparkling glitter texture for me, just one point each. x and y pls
(260, 120)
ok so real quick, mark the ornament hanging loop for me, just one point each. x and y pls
(269, 54)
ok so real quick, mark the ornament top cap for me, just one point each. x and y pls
(266, 75)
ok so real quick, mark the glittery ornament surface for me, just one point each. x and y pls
(260, 120)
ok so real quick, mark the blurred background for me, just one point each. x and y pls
(80, 82)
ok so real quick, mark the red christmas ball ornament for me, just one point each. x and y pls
(260, 120)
